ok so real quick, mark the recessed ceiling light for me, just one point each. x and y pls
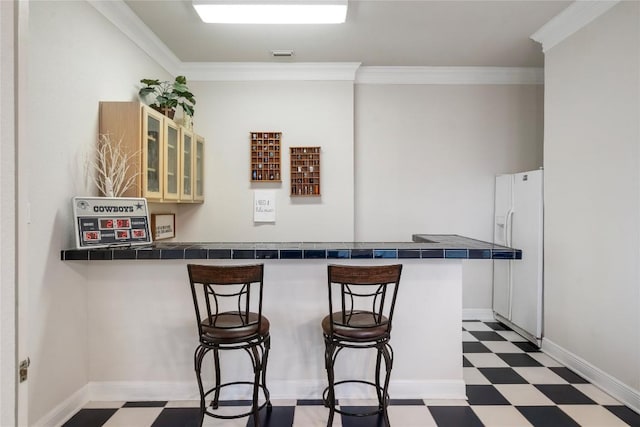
(271, 11)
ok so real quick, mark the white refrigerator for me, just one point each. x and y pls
(518, 284)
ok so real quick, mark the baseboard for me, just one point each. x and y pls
(65, 410)
(483, 314)
(594, 375)
(143, 390)
(280, 390)
(433, 389)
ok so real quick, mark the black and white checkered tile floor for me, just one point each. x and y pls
(509, 383)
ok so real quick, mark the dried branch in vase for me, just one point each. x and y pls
(113, 167)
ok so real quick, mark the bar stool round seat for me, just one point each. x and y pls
(362, 326)
(213, 288)
(367, 296)
(226, 328)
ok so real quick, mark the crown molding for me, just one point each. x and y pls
(269, 71)
(451, 75)
(120, 15)
(573, 18)
(352, 71)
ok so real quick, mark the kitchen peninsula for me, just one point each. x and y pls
(142, 332)
(426, 246)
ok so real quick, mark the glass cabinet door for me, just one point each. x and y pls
(186, 188)
(199, 169)
(152, 154)
(172, 162)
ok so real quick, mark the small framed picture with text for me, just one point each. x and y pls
(163, 226)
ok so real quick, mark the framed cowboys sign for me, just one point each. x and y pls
(102, 222)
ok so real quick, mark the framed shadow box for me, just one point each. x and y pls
(305, 171)
(265, 156)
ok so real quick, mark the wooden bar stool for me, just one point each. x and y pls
(228, 304)
(367, 298)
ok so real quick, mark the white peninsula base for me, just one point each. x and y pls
(142, 331)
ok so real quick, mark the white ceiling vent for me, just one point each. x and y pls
(282, 53)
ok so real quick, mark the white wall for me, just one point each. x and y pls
(426, 158)
(8, 287)
(592, 194)
(308, 114)
(75, 58)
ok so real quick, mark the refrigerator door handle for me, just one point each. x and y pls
(508, 228)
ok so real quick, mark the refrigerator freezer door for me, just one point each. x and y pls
(526, 288)
(501, 236)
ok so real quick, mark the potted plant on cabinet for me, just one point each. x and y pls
(168, 95)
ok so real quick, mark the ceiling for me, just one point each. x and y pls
(377, 33)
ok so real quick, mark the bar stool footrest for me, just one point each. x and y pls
(266, 403)
(380, 409)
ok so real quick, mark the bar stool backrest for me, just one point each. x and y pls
(227, 297)
(365, 299)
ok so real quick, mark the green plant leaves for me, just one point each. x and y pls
(150, 82)
(169, 94)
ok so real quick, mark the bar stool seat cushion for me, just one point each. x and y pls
(360, 326)
(229, 327)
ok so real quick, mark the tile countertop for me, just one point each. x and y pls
(426, 246)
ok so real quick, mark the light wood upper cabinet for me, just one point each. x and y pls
(151, 167)
(198, 173)
(166, 153)
(186, 163)
(192, 167)
(171, 174)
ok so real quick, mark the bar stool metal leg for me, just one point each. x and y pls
(377, 376)
(216, 366)
(265, 358)
(199, 355)
(255, 360)
(330, 400)
(387, 353)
